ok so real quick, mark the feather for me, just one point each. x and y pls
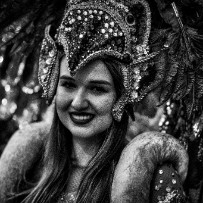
(180, 63)
(199, 81)
(157, 42)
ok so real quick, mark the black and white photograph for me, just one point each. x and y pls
(101, 101)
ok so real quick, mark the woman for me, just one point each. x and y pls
(92, 66)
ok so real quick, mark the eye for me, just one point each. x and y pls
(98, 89)
(130, 19)
(68, 84)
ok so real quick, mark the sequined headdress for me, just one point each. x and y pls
(92, 29)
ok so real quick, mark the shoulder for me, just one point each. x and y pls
(25, 140)
(140, 159)
(21, 151)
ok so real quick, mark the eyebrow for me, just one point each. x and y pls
(98, 82)
(65, 77)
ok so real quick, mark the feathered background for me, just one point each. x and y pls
(22, 24)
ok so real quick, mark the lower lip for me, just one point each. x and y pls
(81, 120)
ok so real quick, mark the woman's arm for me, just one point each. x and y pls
(19, 155)
(138, 162)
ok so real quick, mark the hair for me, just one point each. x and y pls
(95, 185)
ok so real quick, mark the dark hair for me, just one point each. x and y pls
(96, 183)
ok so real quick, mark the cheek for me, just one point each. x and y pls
(105, 106)
(104, 112)
(62, 100)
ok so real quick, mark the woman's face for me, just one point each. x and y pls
(84, 101)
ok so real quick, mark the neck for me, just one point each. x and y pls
(84, 149)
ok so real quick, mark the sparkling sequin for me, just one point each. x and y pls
(112, 24)
(174, 181)
(45, 70)
(115, 34)
(1, 59)
(48, 61)
(106, 25)
(172, 196)
(68, 198)
(81, 36)
(110, 30)
(106, 35)
(103, 31)
(157, 187)
(51, 53)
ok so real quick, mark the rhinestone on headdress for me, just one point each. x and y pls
(92, 29)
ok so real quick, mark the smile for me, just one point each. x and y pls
(81, 118)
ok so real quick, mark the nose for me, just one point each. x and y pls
(80, 100)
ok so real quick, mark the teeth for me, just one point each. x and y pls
(82, 117)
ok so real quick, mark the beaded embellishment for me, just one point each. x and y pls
(97, 29)
(68, 198)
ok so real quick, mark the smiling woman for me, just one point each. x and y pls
(91, 71)
(84, 101)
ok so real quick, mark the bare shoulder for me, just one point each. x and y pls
(19, 154)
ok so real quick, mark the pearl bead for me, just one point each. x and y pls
(103, 31)
(106, 25)
(112, 24)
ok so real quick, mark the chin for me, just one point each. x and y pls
(79, 132)
(93, 129)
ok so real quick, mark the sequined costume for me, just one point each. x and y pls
(160, 184)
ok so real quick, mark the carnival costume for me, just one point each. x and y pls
(119, 30)
(142, 173)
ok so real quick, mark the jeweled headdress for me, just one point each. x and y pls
(96, 29)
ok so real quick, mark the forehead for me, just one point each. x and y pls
(95, 70)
